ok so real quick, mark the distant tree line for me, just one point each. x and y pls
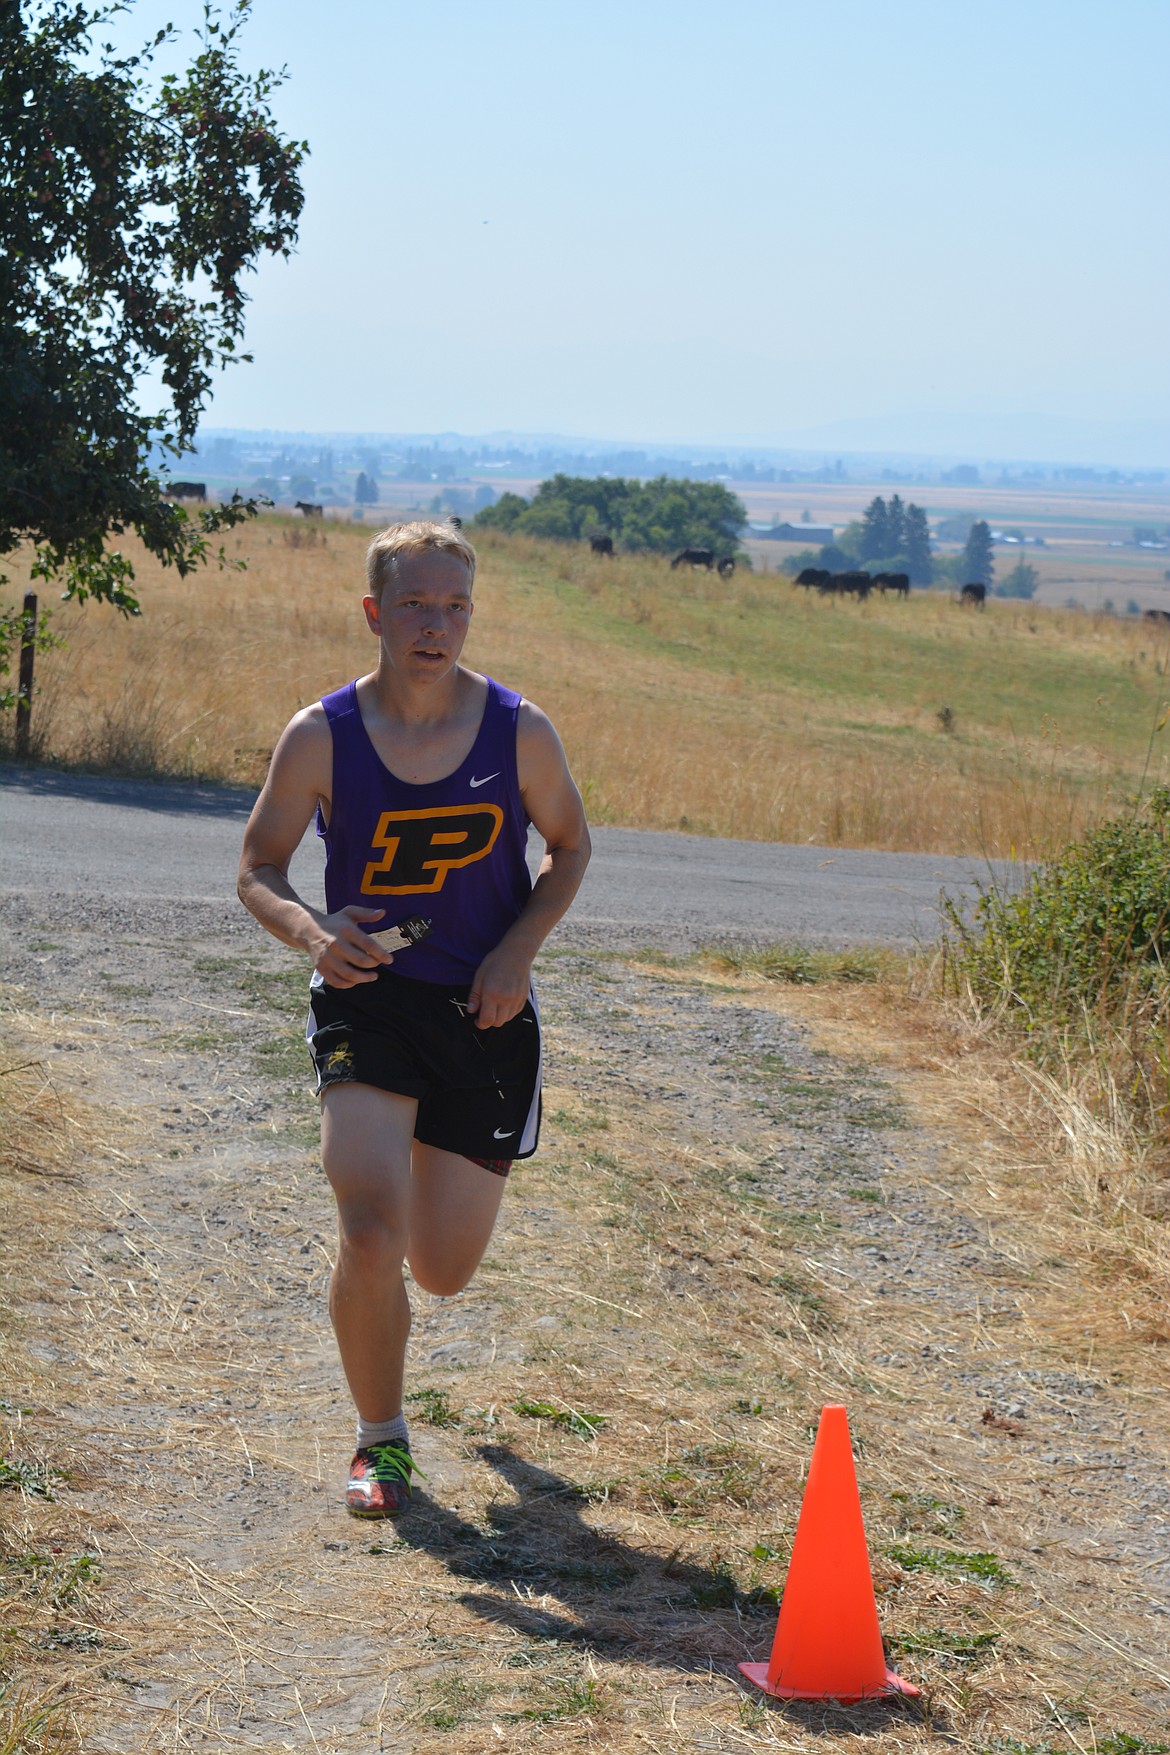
(890, 537)
(651, 517)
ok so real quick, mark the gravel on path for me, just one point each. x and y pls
(186, 1324)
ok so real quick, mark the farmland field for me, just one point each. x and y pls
(747, 709)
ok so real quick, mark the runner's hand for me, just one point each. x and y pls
(344, 955)
(500, 989)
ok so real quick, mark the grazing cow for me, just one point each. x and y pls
(855, 584)
(975, 595)
(726, 567)
(1156, 615)
(897, 582)
(813, 576)
(186, 490)
(310, 511)
(694, 557)
(602, 545)
(454, 522)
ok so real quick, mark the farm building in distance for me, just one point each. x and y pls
(813, 534)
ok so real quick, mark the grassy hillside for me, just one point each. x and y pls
(747, 708)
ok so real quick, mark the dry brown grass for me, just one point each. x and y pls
(746, 710)
(50, 1565)
(1072, 1149)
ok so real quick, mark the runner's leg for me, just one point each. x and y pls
(453, 1208)
(366, 1137)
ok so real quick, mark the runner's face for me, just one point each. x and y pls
(424, 615)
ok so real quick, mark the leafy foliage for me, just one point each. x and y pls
(656, 517)
(916, 547)
(892, 538)
(1090, 930)
(1020, 582)
(130, 211)
(978, 556)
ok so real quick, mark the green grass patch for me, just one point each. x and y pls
(798, 965)
(574, 1420)
(704, 1475)
(567, 1700)
(951, 1564)
(275, 991)
(35, 1479)
(432, 1408)
(964, 1648)
(285, 1057)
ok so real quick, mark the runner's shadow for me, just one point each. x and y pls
(542, 1571)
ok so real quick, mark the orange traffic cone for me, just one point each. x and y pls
(828, 1645)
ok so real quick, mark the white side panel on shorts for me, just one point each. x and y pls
(528, 1137)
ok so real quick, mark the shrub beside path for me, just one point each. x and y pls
(746, 1204)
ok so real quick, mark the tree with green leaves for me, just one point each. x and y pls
(978, 557)
(1020, 582)
(657, 517)
(131, 209)
(916, 546)
(875, 532)
(896, 525)
(365, 491)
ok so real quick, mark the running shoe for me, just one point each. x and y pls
(379, 1480)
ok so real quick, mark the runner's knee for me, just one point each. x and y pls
(371, 1236)
(441, 1278)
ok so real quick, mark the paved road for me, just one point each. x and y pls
(71, 836)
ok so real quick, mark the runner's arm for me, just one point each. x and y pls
(501, 984)
(300, 774)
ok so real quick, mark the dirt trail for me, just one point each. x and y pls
(727, 1225)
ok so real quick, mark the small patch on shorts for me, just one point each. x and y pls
(339, 1062)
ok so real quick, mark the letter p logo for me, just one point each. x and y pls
(419, 847)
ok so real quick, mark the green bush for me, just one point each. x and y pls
(655, 517)
(1089, 935)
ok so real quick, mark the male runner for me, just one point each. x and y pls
(424, 776)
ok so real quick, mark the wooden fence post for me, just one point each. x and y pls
(28, 646)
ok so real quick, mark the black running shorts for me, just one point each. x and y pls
(478, 1090)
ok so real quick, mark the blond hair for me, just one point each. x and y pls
(390, 545)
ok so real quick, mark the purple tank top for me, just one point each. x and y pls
(451, 850)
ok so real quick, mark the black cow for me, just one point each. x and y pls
(310, 511)
(695, 557)
(601, 545)
(813, 576)
(455, 522)
(897, 582)
(186, 490)
(975, 595)
(854, 584)
(726, 567)
(1156, 615)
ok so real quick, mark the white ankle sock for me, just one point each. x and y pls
(381, 1431)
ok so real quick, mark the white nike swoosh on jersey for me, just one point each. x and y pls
(499, 1135)
(485, 779)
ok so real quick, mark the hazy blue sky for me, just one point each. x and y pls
(746, 222)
